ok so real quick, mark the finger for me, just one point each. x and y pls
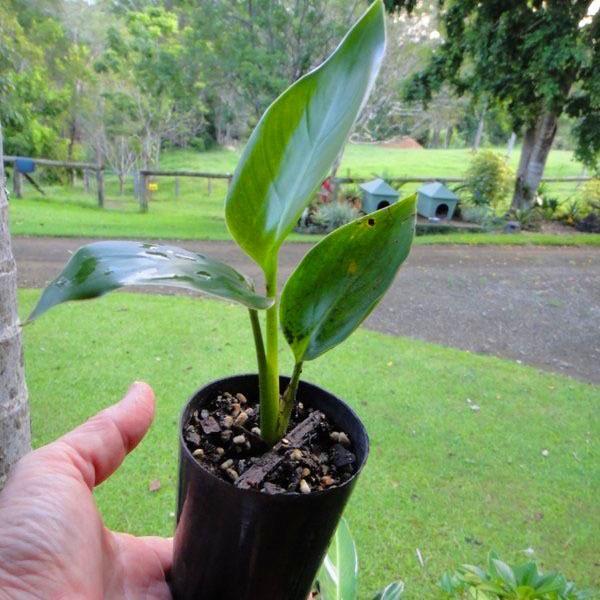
(163, 548)
(100, 445)
(140, 549)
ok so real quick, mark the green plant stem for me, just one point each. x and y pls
(288, 400)
(261, 358)
(269, 402)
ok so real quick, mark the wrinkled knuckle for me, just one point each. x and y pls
(105, 424)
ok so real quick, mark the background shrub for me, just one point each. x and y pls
(590, 192)
(488, 179)
(332, 215)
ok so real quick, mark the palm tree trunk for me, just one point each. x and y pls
(15, 437)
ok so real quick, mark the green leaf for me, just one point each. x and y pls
(101, 267)
(291, 150)
(526, 574)
(551, 582)
(476, 571)
(339, 282)
(338, 575)
(505, 573)
(393, 591)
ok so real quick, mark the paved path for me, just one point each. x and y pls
(537, 305)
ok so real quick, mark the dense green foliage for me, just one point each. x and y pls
(501, 581)
(120, 80)
(489, 179)
(40, 71)
(530, 57)
(248, 52)
(444, 480)
(535, 60)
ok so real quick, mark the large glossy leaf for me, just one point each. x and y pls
(338, 575)
(341, 280)
(101, 267)
(293, 146)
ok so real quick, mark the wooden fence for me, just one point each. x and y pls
(45, 162)
(145, 176)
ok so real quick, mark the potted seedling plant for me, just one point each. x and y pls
(267, 462)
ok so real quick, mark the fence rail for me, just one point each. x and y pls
(46, 162)
(146, 174)
(400, 179)
(152, 173)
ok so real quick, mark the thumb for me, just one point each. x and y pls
(100, 445)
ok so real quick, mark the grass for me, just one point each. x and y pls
(197, 213)
(441, 478)
(366, 160)
(524, 238)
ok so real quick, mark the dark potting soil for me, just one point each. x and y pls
(224, 437)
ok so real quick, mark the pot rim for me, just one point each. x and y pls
(287, 496)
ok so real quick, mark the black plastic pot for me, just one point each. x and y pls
(234, 544)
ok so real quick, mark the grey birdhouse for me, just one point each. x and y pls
(436, 201)
(377, 194)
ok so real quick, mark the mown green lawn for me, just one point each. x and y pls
(441, 477)
(365, 160)
(197, 213)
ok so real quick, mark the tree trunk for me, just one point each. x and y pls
(14, 410)
(448, 137)
(70, 147)
(536, 147)
(511, 144)
(479, 132)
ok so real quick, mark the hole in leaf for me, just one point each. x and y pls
(371, 222)
(204, 274)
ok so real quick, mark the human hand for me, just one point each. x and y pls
(53, 543)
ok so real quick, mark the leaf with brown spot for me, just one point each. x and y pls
(341, 280)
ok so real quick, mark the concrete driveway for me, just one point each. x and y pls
(536, 305)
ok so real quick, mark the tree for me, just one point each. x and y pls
(32, 101)
(535, 58)
(408, 50)
(249, 51)
(145, 77)
(14, 408)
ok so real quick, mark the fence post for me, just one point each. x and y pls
(100, 185)
(176, 187)
(209, 185)
(86, 181)
(17, 183)
(143, 191)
